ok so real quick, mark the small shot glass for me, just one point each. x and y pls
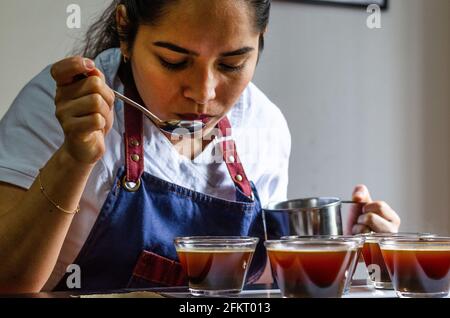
(419, 267)
(215, 265)
(354, 263)
(378, 273)
(311, 268)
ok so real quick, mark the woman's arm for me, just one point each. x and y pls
(32, 228)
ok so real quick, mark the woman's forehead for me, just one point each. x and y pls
(207, 15)
(204, 25)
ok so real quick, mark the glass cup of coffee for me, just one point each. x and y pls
(376, 267)
(419, 267)
(360, 241)
(215, 265)
(311, 268)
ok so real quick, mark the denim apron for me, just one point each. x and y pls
(131, 244)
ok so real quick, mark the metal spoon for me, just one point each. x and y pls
(179, 127)
(174, 127)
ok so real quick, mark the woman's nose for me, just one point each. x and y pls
(201, 88)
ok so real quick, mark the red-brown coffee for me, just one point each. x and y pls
(215, 269)
(419, 270)
(372, 256)
(310, 273)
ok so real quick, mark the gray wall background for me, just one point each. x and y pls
(364, 106)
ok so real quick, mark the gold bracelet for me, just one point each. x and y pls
(53, 202)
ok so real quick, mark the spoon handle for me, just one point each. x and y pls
(138, 107)
(130, 102)
(189, 127)
(354, 202)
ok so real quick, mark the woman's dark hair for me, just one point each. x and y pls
(104, 34)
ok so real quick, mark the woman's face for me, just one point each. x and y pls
(197, 61)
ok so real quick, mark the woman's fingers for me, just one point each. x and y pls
(376, 216)
(84, 125)
(66, 71)
(377, 223)
(361, 194)
(86, 105)
(382, 209)
(360, 228)
(90, 85)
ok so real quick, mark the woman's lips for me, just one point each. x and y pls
(199, 117)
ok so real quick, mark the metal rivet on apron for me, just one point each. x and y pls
(135, 158)
(134, 143)
(131, 186)
(231, 159)
(239, 178)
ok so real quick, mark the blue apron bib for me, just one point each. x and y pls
(131, 244)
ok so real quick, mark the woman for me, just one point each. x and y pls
(135, 187)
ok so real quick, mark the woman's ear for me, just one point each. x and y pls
(122, 25)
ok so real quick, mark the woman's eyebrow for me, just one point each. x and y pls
(179, 49)
(240, 51)
(174, 48)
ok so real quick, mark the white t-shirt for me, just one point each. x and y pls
(30, 134)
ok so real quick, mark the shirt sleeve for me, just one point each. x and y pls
(29, 132)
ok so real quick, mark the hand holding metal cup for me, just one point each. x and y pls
(310, 216)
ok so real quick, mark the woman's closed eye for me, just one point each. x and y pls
(171, 66)
(231, 68)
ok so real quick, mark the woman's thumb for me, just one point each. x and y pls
(361, 194)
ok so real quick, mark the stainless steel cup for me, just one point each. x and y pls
(310, 216)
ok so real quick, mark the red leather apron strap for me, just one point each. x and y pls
(133, 136)
(134, 150)
(159, 270)
(231, 158)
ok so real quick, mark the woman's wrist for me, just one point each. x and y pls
(63, 172)
(66, 161)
